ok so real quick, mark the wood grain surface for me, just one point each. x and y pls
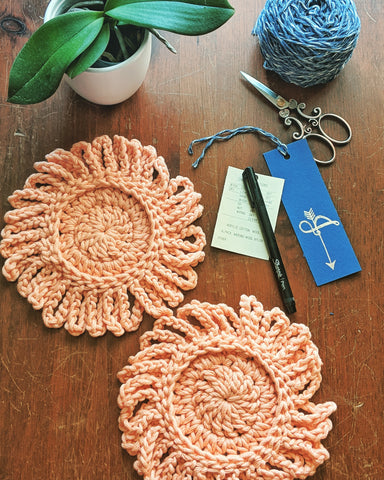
(58, 408)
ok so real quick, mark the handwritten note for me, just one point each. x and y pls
(237, 228)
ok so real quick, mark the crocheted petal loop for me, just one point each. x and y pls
(213, 318)
(186, 280)
(72, 312)
(128, 314)
(174, 329)
(147, 463)
(179, 190)
(149, 297)
(14, 242)
(99, 155)
(179, 216)
(169, 467)
(152, 338)
(18, 246)
(168, 291)
(295, 354)
(27, 198)
(42, 287)
(20, 218)
(89, 312)
(255, 323)
(314, 422)
(180, 327)
(134, 159)
(24, 267)
(140, 397)
(69, 161)
(53, 174)
(192, 240)
(91, 159)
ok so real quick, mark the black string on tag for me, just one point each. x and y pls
(225, 135)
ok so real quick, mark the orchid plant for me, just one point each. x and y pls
(81, 37)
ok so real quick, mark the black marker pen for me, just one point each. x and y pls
(257, 202)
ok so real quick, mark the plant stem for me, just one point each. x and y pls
(121, 41)
(162, 39)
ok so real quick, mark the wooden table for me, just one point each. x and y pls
(58, 405)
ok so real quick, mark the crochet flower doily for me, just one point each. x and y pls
(100, 234)
(216, 395)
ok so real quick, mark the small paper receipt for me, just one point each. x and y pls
(237, 228)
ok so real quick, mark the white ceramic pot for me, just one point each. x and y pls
(107, 85)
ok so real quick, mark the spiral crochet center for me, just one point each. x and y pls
(104, 231)
(307, 42)
(225, 396)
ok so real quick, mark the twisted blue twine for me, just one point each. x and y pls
(307, 42)
(225, 135)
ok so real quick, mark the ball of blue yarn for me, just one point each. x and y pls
(307, 42)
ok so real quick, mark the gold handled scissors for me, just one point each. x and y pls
(305, 130)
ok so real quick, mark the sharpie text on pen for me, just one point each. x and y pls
(279, 273)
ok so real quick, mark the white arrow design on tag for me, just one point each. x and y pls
(315, 228)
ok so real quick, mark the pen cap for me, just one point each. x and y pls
(251, 185)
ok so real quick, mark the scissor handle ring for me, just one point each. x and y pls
(327, 141)
(342, 121)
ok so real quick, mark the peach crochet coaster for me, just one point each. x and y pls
(216, 395)
(100, 234)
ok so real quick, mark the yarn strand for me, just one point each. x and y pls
(227, 134)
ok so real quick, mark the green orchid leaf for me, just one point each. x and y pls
(91, 54)
(187, 17)
(38, 69)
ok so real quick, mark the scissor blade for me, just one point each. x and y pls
(277, 100)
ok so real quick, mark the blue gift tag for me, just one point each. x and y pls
(312, 214)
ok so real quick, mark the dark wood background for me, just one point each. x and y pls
(58, 405)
